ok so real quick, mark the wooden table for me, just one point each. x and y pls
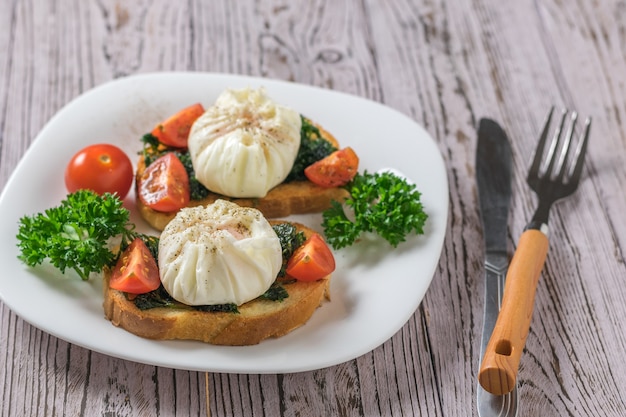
(445, 64)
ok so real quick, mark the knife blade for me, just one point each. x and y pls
(493, 178)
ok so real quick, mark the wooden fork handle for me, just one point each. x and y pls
(498, 370)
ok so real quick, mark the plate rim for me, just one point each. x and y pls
(116, 83)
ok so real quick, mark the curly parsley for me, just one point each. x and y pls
(383, 203)
(76, 234)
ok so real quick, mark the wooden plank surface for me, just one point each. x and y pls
(444, 63)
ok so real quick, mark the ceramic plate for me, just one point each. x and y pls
(375, 289)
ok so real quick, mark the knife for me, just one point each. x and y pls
(493, 178)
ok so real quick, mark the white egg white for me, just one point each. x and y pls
(219, 254)
(245, 144)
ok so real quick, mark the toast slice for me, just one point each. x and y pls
(293, 197)
(256, 320)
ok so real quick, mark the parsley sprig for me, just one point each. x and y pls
(383, 203)
(76, 234)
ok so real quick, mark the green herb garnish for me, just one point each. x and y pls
(76, 234)
(383, 203)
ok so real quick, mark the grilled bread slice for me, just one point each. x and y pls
(294, 197)
(255, 320)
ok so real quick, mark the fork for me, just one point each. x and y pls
(552, 178)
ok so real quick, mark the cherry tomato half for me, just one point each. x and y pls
(164, 185)
(335, 170)
(175, 130)
(102, 168)
(136, 271)
(311, 261)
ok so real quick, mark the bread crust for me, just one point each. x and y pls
(294, 197)
(257, 320)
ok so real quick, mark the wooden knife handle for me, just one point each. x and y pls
(498, 370)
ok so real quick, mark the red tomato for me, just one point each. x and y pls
(335, 170)
(101, 168)
(136, 271)
(311, 261)
(175, 130)
(164, 185)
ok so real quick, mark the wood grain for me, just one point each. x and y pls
(443, 63)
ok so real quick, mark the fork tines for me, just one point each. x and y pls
(555, 167)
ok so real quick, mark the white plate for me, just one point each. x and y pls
(374, 290)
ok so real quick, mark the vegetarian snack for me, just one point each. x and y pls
(234, 278)
(228, 277)
(248, 149)
(221, 272)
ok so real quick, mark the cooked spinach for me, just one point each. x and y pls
(312, 149)
(153, 150)
(154, 299)
(275, 293)
(161, 298)
(219, 308)
(290, 239)
(196, 189)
